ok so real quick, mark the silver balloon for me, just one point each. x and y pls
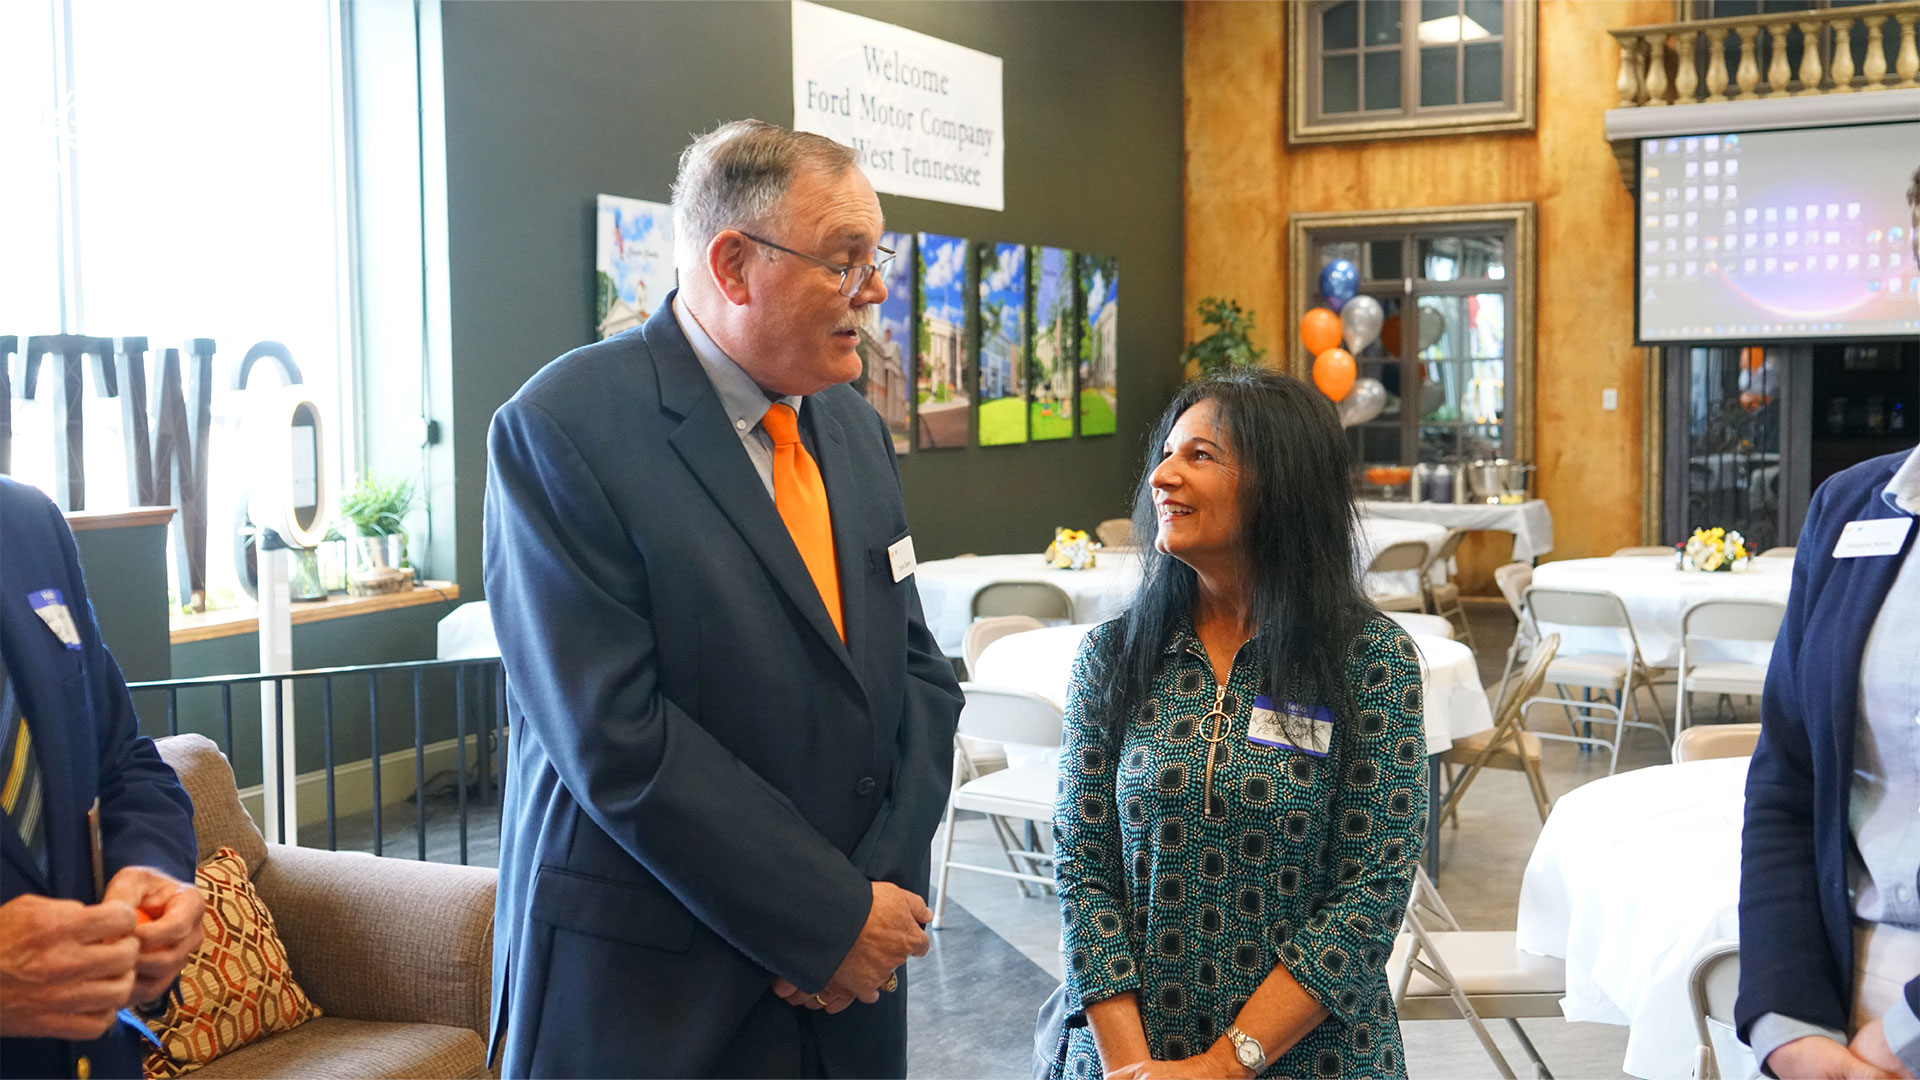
(1362, 403)
(1432, 325)
(1360, 322)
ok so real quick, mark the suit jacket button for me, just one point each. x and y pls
(865, 786)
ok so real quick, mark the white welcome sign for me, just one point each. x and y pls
(922, 114)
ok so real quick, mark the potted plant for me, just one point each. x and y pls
(1228, 346)
(377, 507)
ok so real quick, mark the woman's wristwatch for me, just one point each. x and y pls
(1247, 1049)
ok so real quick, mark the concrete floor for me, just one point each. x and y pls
(973, 999)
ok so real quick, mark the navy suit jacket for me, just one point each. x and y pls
(89, 746)
(1796, 912)
(704, 779)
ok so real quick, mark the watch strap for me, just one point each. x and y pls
(1240, 1040)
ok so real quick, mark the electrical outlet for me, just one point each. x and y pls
(1610, 399)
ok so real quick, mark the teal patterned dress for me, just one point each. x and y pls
(1307, 861)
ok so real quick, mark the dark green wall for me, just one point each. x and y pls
(126, 572)
(548, 104)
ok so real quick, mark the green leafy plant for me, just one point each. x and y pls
(1228, 346)
(377, 506)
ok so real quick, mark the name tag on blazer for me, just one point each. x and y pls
(900, 558)
(1874, 536)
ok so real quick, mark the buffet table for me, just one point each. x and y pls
(947, 586)
(1656, 593)
(1632, 875)
(1530, 522)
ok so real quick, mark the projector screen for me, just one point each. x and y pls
(1778, 235)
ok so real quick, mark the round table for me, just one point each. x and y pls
(1042, 661)
(1530, 522)
(1632, 875)
(1656, 593)
(947, 586)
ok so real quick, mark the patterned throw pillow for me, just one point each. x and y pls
(236, 987)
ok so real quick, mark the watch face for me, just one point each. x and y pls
(1248, 1053)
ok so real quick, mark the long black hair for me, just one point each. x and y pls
(1297, 532)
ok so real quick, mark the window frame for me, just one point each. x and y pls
(1520, 221)
(1306, 125)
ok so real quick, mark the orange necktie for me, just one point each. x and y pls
(801, 497)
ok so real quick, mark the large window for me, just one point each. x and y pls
(178, 173)
(1363, 69)
(1455, 357)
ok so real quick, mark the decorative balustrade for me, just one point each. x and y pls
(1686, 63)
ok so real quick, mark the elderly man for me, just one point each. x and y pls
(96, 833)
(732, 730)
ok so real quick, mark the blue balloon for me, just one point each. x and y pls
(1339, 282)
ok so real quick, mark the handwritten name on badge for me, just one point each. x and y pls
(1874, 536)
(51, 606)
(1266, 728)
(900, 554)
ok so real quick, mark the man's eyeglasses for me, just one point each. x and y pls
(853, 276)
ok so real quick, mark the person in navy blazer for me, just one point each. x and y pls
(1797, 947)
(70, 957)
(718, 822)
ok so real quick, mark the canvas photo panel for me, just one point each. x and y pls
(1003, 344)
(1099, 343)
(633, 262)
(941, 345)
(1050, 405)
(886, 345)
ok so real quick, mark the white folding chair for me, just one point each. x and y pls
(1704, 741)
(1712, 986)
(1756, 621)
(1039, 599)
(1513, 580)
(1023, 792)
(1407, 555)
(1618, 673)
(1777, 553)
(1441, 972)
(982, 757)
(1508, 744)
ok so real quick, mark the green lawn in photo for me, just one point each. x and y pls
(1096, 416)
(1050, 423)
(1003, 422)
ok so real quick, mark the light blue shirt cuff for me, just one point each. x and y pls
(1775, 1030)
(1903, 1034)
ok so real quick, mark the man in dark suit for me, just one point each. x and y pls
(732, 732)
(73, 955)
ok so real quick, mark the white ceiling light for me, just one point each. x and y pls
(1452, 28)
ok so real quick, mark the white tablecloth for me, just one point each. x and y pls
(467, 633)
(1530, 522)
(1042, 661)
(1656, 594)
(947, 586)
(1631, 876)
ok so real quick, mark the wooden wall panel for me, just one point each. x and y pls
(1243, 182)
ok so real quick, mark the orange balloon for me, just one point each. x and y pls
(1333, 373)
(1319, 330)
(1753, 358)
(1390, 335)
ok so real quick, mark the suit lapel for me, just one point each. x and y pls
(849, 544)
(1866, 585)
(711, 450)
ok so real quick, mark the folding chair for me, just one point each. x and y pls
(1651, 549)
(1441, 972)
(1407, 555)
(1513, 580)
(1616, 673)
(1040, 599)
(982, 757)
(1024, 792)
(1715, 741)
(1711, 987)
(1777, 553)
(1723, 620)
(1509, 745)
(1114, 532)
(1443, 597)
(983, 632)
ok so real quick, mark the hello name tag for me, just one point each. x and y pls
(1875, 536)
(1267, 728)
(900, 556)
(51, 606)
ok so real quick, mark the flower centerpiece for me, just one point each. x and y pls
(1071, 549)
(1714, 549)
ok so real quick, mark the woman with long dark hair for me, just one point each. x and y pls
(1242, 796)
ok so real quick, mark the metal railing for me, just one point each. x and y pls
(479, 687)
(1670, 63)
